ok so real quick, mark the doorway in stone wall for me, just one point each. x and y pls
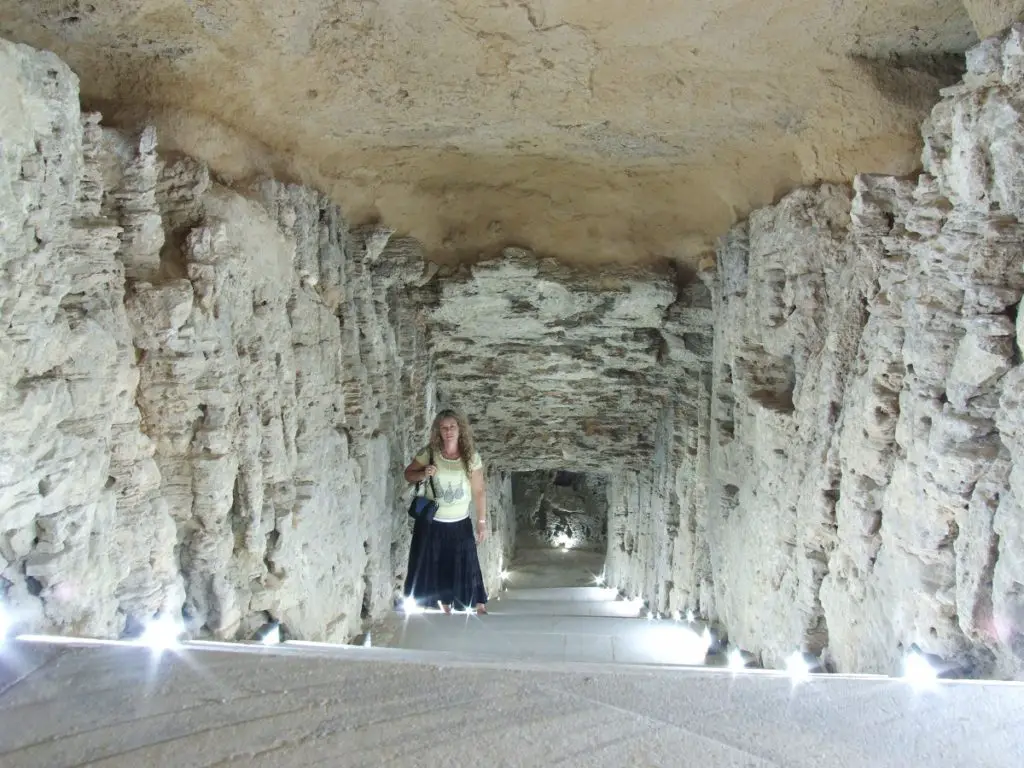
(561, 529)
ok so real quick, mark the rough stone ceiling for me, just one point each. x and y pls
(592, 130)
(563, 368)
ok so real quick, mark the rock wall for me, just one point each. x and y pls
(548, 361)
(208, 394)
(498, 549)
(790, 312)
(79, 504)
(845, 478)
(553, 508)
(866, 422)
(658, 547)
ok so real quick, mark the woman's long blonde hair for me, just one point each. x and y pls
(466, 447)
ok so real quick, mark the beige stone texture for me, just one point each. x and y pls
(208, 396)
(589, 130)
(811, 440)
(993, 16)
(864, 436)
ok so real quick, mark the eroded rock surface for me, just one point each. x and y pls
(208, 396)
(864, 440)
(814, 443)
(590, 131)
(563, 365)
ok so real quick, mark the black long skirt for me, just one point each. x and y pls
(443, 565)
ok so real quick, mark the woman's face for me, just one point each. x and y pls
(449, 429)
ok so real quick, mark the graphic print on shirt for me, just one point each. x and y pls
(452, 493)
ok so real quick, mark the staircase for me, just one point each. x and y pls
(548, 614)
(455, 691)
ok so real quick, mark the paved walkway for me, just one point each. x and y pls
(482, 692)
(308, 706)
(553, 611)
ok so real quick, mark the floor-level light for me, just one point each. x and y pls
(599, 581)
(162, 633)
(736, 661)
(918, 671)
(797, 667)
(690, 617)
(410, 606)
(505, 575)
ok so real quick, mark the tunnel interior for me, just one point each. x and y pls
(561, 509)
(807, 431)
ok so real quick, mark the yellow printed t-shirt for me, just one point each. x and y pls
(453, 489)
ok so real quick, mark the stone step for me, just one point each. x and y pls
(554, 568)
(610, 608)
(553, 638)
(567, 594)
(342, 706)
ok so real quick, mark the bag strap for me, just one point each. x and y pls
(433, 488)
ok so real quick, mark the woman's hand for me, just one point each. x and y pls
(481, 531)
(429, 471)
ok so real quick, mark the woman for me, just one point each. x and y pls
(443, 563)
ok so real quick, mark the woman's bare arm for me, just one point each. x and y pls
(417, 472)
(476, 482)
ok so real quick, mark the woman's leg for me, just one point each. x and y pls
(422, 577)
(468, 579)
(445, 583)
(412, 571)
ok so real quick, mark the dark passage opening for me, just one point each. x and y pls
(561, 529)
(561, 509)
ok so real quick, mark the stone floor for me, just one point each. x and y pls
(488, 702)
(308, 706)
(547, 567)
(554, 611)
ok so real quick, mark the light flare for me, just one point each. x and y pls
(797, 667)
(918, 671)
(410, 606)
(273, 636)
(162, 634)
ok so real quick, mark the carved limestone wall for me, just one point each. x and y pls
(865, 440)
(208, 394)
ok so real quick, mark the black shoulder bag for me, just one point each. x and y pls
(423, 508)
